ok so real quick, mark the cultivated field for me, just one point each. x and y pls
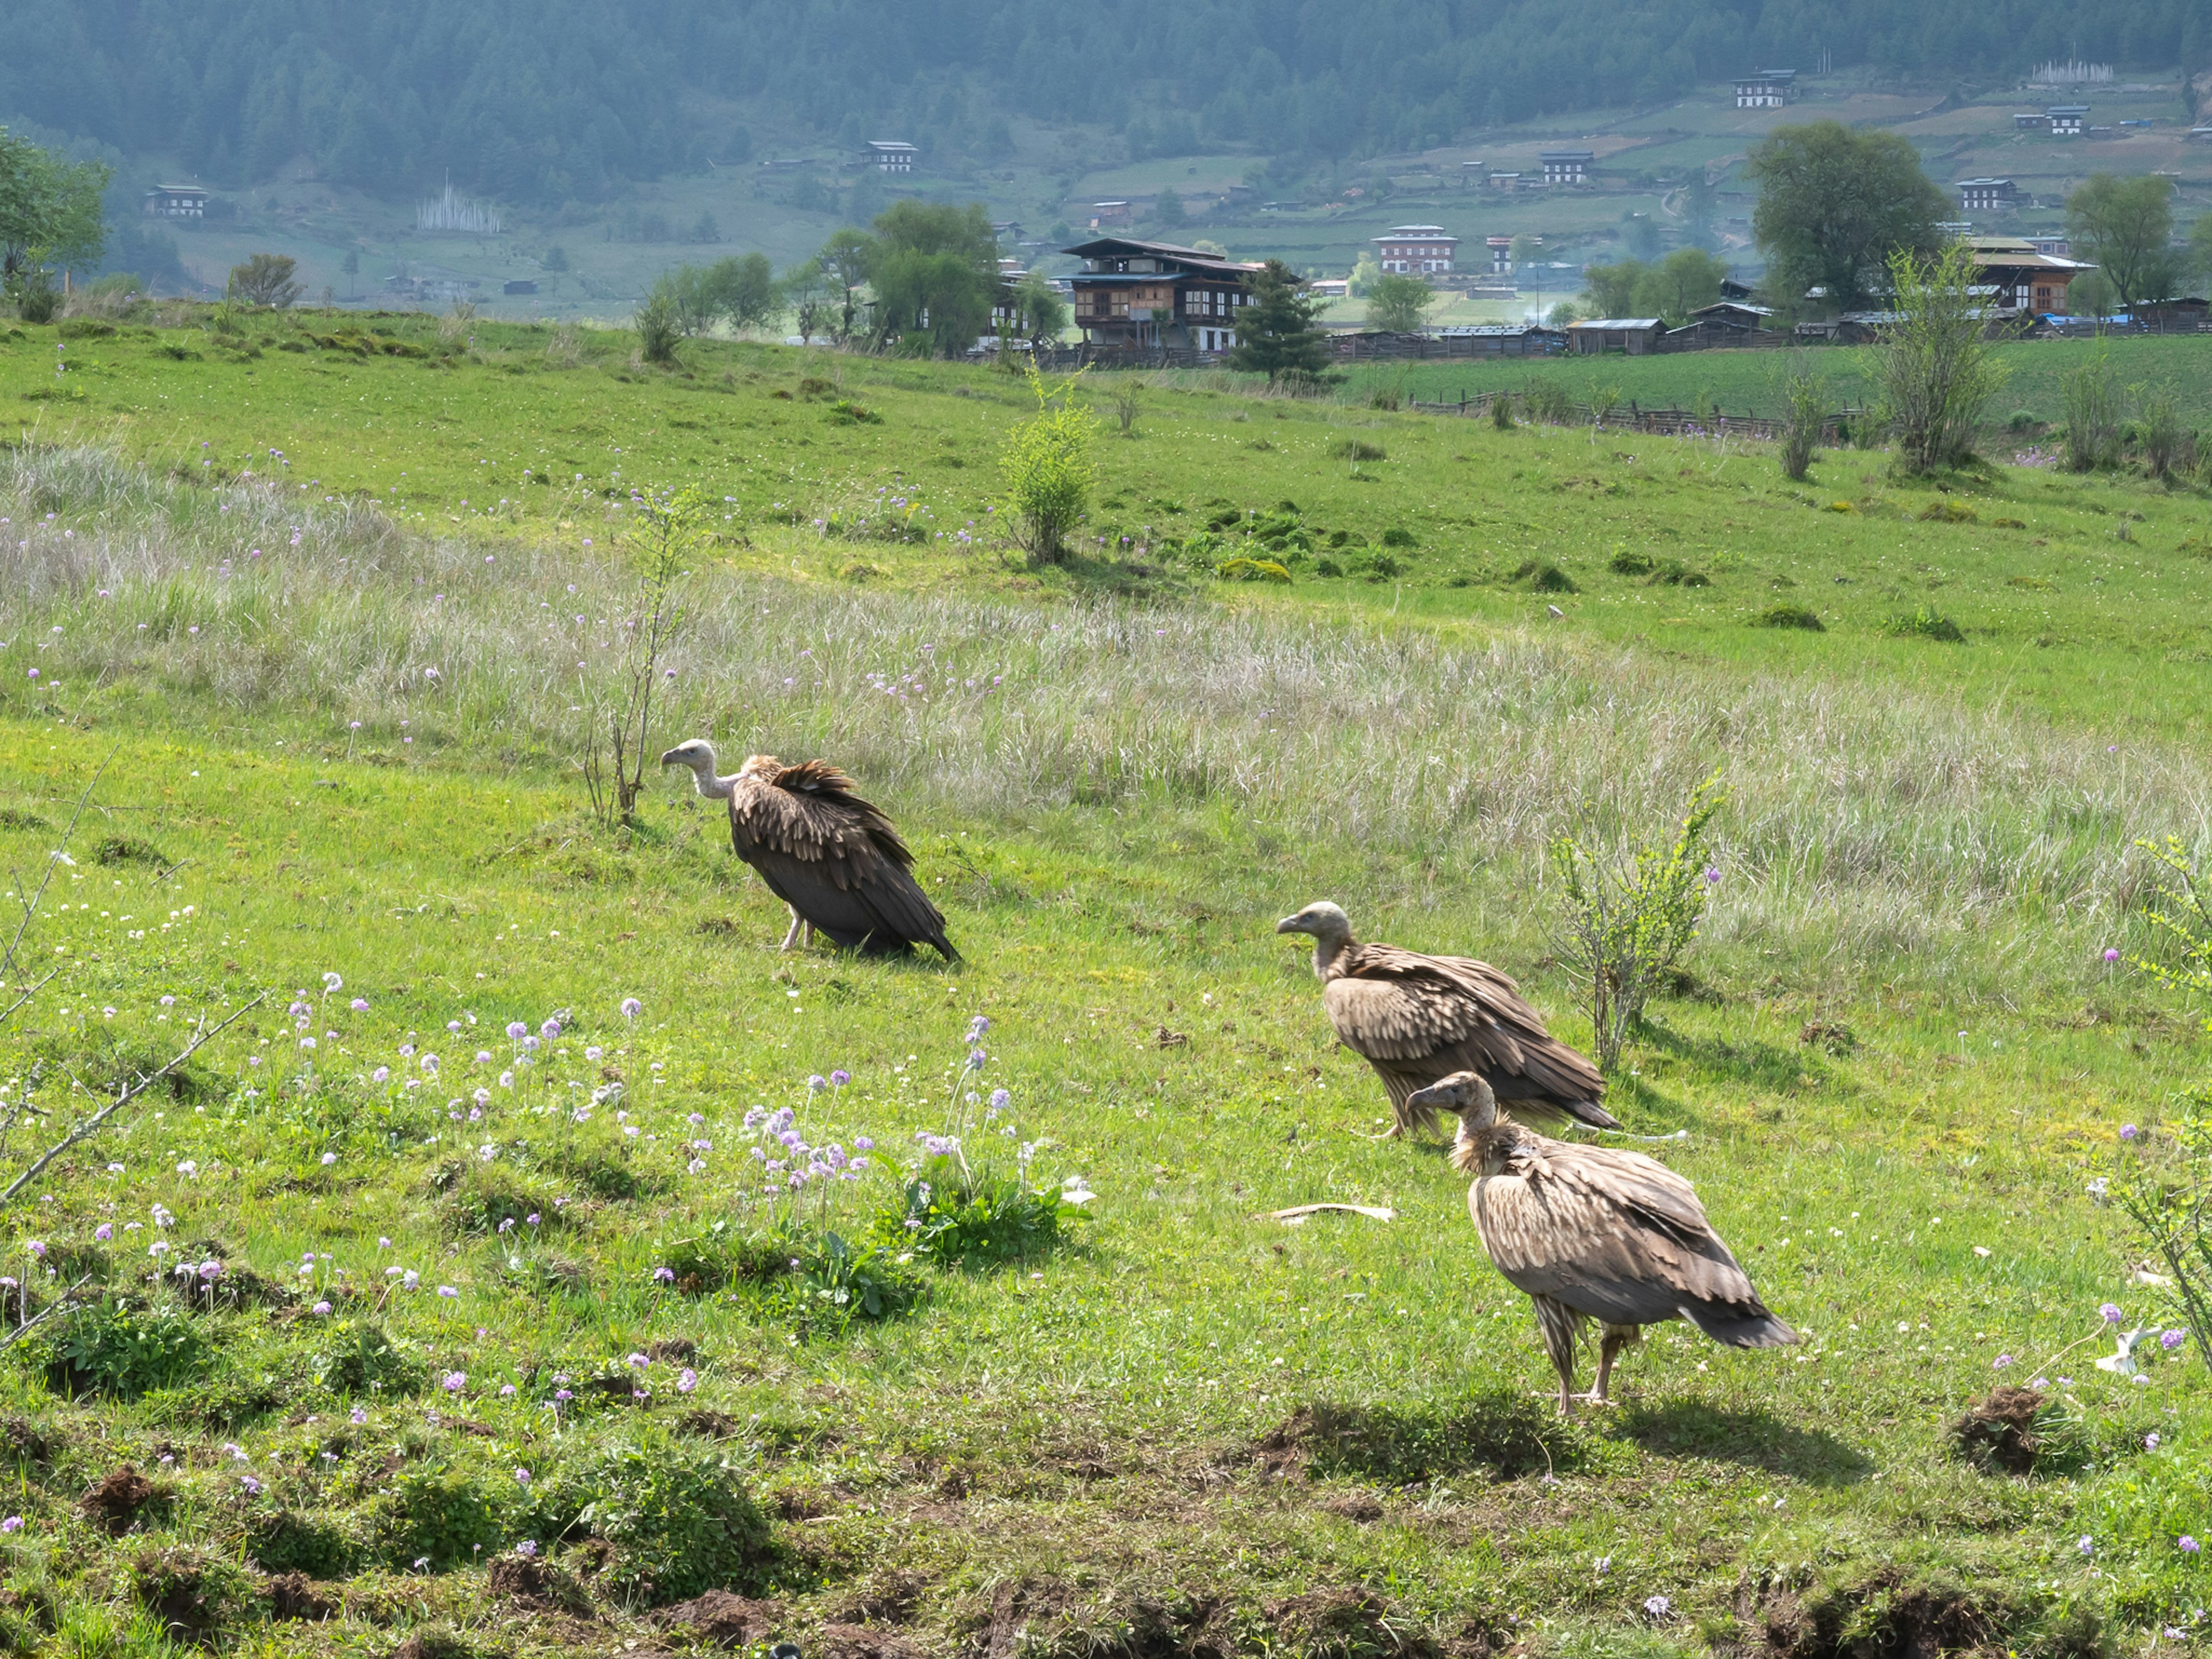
(1900, 1055)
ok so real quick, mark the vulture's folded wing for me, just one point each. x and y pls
(1614, 1241)
(836, 861)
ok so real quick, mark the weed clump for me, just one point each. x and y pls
(359, 1357)
(1790, 615)
(1928, 624)
(1544, 577)
(119, 1348)
(1358, 449)
(1624, 563)
(679, 1519)
(1251, 570)
(1944, 510)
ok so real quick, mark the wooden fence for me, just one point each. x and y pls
(1671, 422)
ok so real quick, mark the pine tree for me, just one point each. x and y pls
(1275, 333)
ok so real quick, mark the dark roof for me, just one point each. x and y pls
(1126, 247)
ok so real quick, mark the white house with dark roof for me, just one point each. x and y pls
(1416, 250)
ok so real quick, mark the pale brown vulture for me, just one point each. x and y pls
(829, 855)
(1593, 1232)
(1417, 1018)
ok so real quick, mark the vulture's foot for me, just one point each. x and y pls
(1391, 1134)
(1594, 1398)
(799, 923)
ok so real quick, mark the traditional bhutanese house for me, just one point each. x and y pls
(176, 202)
(2032, 123)
(2174, 313)
(1986, 195)
(1508, 182)
(890, 155)
(1766, 89)
(2057, 247)
(2015, 278)
(1501, 254)
(1410, 249)
(1566, 166)
(1728, 323)
(1851, 327)
(2067, 120)
(1636, 335)
(1732, 289)
(1132, 294)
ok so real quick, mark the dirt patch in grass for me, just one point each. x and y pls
(533, 1582)
(1999, 1433)
(1885, 1615)
(1501, 1436)
(296, 1596)
(114, 1500)
(731, 1621)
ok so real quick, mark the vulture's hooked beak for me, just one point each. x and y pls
(671, 757)
(1290, 925)
(1437, 1095)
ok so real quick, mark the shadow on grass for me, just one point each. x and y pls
(1762, 1065)
(1499, 1436)
(1684, 1428)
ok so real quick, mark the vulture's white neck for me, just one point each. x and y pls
(1326, 948)
(711, 787)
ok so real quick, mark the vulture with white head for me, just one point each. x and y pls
(1416, 1019)
(828, 854)
(1594, 1232)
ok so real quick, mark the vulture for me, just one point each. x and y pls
(1417, 1018)
(829, 855)
(1593, 1233)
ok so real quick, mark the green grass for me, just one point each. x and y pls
(1186, 1425)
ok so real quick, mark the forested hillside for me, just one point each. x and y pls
(552, 99)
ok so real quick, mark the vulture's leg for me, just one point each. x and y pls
(810, 935)
(798, 922)
(1557, 1321)
(1617, 1337)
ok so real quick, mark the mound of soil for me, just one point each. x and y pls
(115, 1499)
(295, 1595)
(731, 1621)
(1999, 1432)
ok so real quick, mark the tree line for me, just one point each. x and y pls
(552, 99)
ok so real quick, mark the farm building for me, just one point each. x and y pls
(1986, 195)
(1766, 89)
(1728, 323)
(1566, 166)
(1132, 294)
(1409, 249)
(1636, 335)
(2032, 123)
(890, 155)
(176, 202)
(2020, 279)
(2068, 120)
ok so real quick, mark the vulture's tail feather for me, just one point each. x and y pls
(1736, 1326)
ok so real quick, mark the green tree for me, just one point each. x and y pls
(50, 207)
(2197, 259)
(813, 297)
(1612, 290)
(1834, 206)
(1685, 280)
(265, 280)
(1043, 312)
(844, 262)
(2123, 227)
(1935, 366)
(1275, 332)
(934, 270)
(1167, 212)
(1400, 305)
(1524, 250)
(1366, 271)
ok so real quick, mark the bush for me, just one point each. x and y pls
(1944, 510)
(1395, 537)
(1937, 370)
(659, 326)
(285, 1540)
(1544, 577)
(2091, 398)
(359, 1358)
(1548, 402)
(434, 1512)
(680, 1519)
(1626, 924)
(1927, 624)
(1358, 449)
(265, 280)
(836, 1284)
(959, 1218)
(1625, 563)
(1790, 615)
(1501, 410)
(36, 297)
(475, 1198)
(123, 1350)
(1046, 464)
(1251, 570)
(1804, 401)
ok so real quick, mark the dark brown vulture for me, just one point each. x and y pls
(1417, 1018)
(829, 855)
(1593, 1232)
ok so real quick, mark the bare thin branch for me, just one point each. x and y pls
(67, 1299)
(30, 991)
(92, 1125)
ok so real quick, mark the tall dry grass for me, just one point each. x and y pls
(1889, 834)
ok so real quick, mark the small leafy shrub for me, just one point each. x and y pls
(1548, 402)
(836, 1283)
(286, 1541)
(679, 1517)
(2021, 420)
(1377, 567)
(36, 297)
(1544, 577)
(813, 385)
(1928, 624)
(121, 1349)
(435, 1512)
(1624, 563)
(1358, 449)
(604, 1176)
(1396, 536)
(1326, 566)
(1501, 411)
(959, 1218)
(194, 1593)
(1627, 921)
(1673, 573)
(659, 327)
(1251, 570)
(1790, 615)
(358, 1357)
(1944, 510)
(846, 412)
(1346, 538)
(1228, 519)
(1047, 466)
(477, 1198)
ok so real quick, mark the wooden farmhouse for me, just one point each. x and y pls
(1416, 249)
(1766, 89)
(176, 202)
(1139, 295)
(890, 155)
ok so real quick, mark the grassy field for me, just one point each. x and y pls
(1183, 1427)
